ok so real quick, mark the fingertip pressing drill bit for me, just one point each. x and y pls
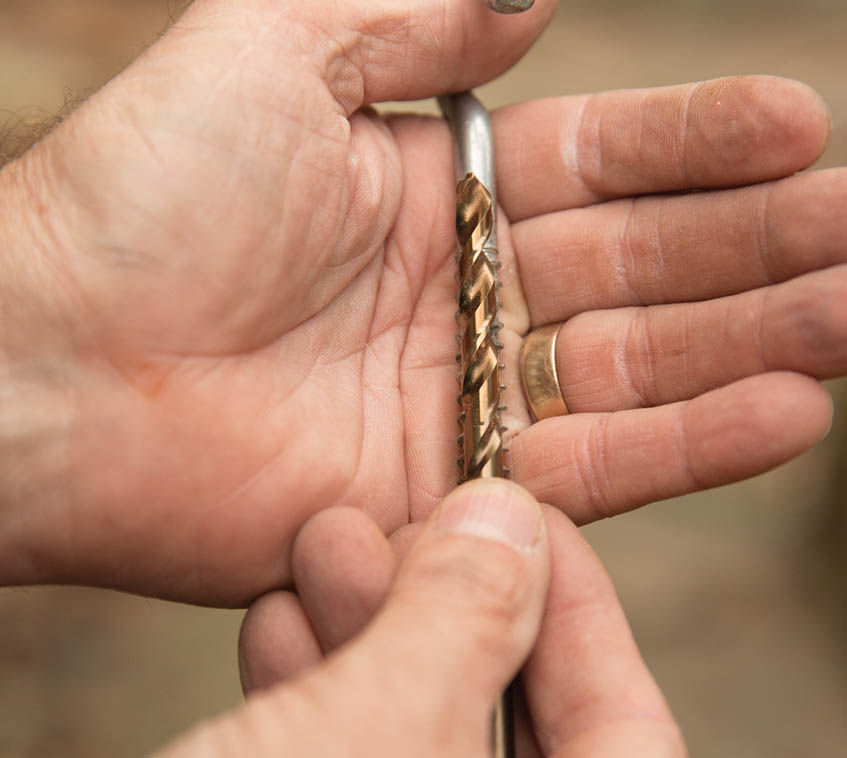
(481, 439)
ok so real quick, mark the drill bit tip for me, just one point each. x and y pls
(474, 211)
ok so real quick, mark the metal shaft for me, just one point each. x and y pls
(480, 438)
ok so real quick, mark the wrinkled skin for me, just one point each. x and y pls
(464, 612)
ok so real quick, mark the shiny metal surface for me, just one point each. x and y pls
(503, 727)
(476, 218)
(473, 139)
(538, 373)
(481, 439)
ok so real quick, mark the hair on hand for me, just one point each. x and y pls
(23, 129)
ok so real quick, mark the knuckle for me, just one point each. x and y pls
(592, 464)
(812, 320)
(637, 369)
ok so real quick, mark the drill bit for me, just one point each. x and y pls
(481, 437)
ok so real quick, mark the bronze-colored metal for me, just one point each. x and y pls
(481, 437)
(510, 6)
(538, 373)
(503, 726)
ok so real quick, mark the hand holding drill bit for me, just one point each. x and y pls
(207, 411)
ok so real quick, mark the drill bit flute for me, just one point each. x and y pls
(479, 356)
(480, 437)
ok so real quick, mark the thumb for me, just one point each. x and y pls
(466, 605)
(460, 619)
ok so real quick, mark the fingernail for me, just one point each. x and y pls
(828, 428)
(495, 510)
(831, 417)
(510, 6)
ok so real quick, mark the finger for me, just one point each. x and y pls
(639, 357)
(412, 49)
(368, 52)
(466, 604)
(526, 744)
(343, 567)
(461, 618)
(596, 465)
(401, 541)
(276, 641)
(680, 247)
(573, 151)
(588, 689)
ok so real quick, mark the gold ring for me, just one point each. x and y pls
(538, 373)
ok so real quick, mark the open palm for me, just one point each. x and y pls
(254, 279)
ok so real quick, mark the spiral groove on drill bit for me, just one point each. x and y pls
(481, 435)
(481, 438)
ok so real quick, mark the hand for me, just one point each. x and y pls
(229, 293)
(463, 614)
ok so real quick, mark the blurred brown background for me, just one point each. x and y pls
(737, 596)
